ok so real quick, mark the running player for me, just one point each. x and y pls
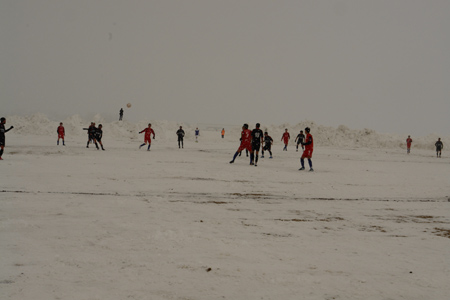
(61, 133)
(197, 133)
(257, 140)
(307, 153)
(246, 141)
(180, 134)
(2, 135)
(223, 132)
(286, 136)
(98, 134)
(300, 139)
(147, 136)
(439, 146)
(268, 141)
(408, 144)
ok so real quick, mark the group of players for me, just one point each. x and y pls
(252, 140)
(439, 146)
(95, 135)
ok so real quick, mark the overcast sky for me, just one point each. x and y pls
(379, 64)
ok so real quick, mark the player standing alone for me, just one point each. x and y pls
(439, 146)
(180, 133)
(246, 141)
(300, 139)
(197, 133)
(257, 140)
(147, 136)
(61, 133)
(408, 144)
(267, 144)
(2, 135)
(286, 136)
(307, 153)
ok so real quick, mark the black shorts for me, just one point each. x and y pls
(267, 147)
(2, 141)
(256, 146)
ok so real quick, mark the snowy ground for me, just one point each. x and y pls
(173, 223)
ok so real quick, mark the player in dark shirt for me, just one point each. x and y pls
(91, 132)
(98, 134)
(300, 139)
(268, 141)
(257, 140)
(180, 134)
(2, 135)
(439, 146)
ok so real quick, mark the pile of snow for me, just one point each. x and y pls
(342, 136)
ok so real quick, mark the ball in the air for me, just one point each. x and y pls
(129, 105)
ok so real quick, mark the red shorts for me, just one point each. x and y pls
(307, 153)
(286, 142)
(247, 146)
(147, 139)
(60, 136)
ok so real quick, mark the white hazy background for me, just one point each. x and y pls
(383, 65)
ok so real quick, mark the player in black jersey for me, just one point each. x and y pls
(268, 141)
(180, 134)
(91, 131)
(300, 139)
(98, 134)
(257, 140)
(2, 135)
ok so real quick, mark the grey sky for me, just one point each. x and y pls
(383, 65)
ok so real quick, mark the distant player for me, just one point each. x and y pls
(439, 146)
(408, 144)
(121, 114)
(197, 133)
(268, 141)
(61, 133)
(257, 140)
(285, 138)
(2, 135)
(91, 131)
(307, 153)
(300, 139)
(98, 134)
(180, 134)
(147, 136)
(246, 141)
(223, 132)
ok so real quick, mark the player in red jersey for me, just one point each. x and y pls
(246, 141)
(408, 144)
(307, 153)
(148, 132)
(286, 136)
(61, 133)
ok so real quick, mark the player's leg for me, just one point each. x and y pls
(1, 150)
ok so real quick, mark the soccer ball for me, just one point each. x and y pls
(129, 105)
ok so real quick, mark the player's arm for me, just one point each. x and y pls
(153, 133)
(9, 129)
(308, 142)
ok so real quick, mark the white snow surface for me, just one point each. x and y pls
(370, 223)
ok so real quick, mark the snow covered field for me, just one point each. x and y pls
(77, 223)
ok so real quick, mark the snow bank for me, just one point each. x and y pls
(342, 136)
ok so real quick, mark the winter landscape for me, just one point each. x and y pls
(370, 223)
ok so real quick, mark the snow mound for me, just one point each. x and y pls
(342, 136)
